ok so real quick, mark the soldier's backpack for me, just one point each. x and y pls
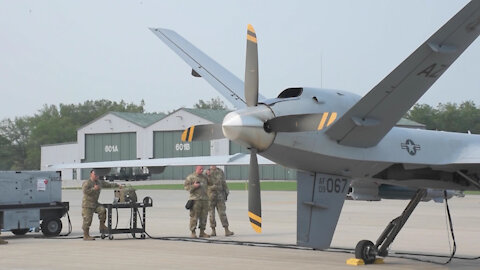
(125, 194)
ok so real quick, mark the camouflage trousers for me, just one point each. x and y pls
(199, 213)
(221, 208)
(87, 214)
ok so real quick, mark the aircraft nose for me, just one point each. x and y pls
(246, 127)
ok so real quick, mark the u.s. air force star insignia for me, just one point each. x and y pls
(411, 147)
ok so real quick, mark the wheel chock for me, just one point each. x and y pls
(356, 262)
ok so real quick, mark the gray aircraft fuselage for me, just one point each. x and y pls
(423, 156)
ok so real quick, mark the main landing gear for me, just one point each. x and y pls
(367, 251)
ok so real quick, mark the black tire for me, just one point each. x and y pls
(110, 237)
(20, 231)
(51, 227)
(364, 251)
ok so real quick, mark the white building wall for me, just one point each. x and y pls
(59, 154)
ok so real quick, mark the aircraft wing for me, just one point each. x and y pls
(368, 121)
(236, 159)
(227, 84)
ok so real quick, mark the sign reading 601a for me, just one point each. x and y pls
(111, 148)
(332, 185)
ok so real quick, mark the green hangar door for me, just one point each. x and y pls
(168, 144)
(108, 147)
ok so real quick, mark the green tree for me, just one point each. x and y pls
(448, 117)
(17, 132)
(214, 103)
(5, 153)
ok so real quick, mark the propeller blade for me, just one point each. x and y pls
(251, 68)
(203, 133)
(254, 199)
(300, 122)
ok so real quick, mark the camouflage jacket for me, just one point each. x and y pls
(218, 190)
(199, 193)
(90, 195)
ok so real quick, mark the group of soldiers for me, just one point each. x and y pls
(208, 192)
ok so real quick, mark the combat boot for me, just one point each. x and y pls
(228, 232)
(214, 233)
(86, 235)
(203, 234)
(103, 228)
(194, 234)
(3, 242)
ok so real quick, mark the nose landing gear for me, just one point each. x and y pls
(368, 252)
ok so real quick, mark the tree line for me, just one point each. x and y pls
(21, 137)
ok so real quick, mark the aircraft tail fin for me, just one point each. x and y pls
(320, 200)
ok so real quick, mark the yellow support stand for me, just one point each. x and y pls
(356, 262)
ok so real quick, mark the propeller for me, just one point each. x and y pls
(246, 127)
(251, 97)
(203, 132)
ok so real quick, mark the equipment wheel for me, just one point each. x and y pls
(364, 250)
(142, 236)
(110, 237)
(20, 231)
(103, 236)
(51, 226)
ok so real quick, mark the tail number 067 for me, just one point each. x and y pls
(331, 185)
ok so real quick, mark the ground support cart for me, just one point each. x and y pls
(135, 208)
(20, 218)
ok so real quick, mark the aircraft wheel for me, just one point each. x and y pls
(364, 251)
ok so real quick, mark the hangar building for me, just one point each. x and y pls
(123, 136)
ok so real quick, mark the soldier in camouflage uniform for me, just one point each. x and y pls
(218, 193)
(197, 184)
(91, 191)
(2, 242)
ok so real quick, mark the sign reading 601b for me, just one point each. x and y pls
(182, 147)
(332, 185)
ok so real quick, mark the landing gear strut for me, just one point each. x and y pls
(367, 251)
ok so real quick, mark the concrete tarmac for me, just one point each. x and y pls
(425, 232)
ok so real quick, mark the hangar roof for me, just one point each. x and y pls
(216, 116)
(140, 119)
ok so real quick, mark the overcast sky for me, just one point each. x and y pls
(54, 52)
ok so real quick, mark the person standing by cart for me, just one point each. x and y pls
(197, 184)
(91, 191)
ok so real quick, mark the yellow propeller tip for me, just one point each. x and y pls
(250, 28)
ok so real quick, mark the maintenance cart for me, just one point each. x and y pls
(28, 197)
(134, 227)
